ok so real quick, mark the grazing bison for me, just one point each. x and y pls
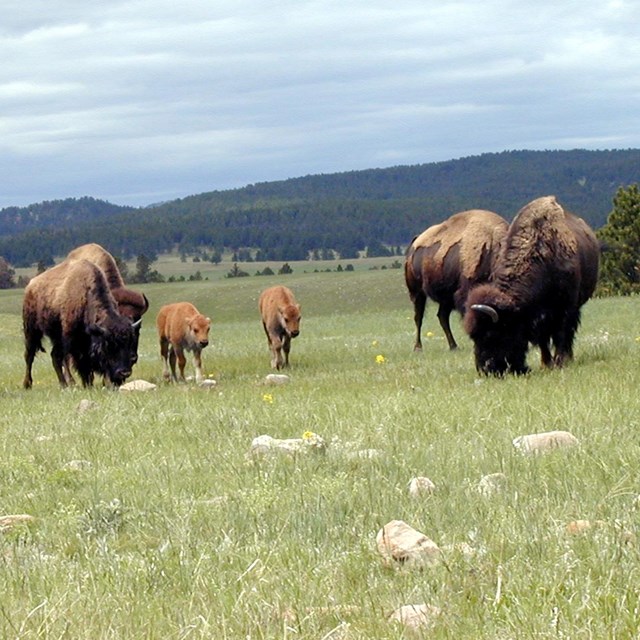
(281, 321)
(72, 305)
(447, 259)
(181, 327)
(130, 303)
(547, 269)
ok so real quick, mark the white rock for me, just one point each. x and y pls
(276, 378)
(421, 486)
(400, 544)
(138, 385)
(10, 521)
(208, 383)
(542, 442)
(86, 405)
(492, 483)
(416, 616)
(77, 465)
(264, 444)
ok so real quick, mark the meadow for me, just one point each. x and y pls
(151, 519)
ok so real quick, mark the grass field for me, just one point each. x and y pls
(152, 521)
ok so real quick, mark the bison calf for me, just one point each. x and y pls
(281, 321)
(181, 327)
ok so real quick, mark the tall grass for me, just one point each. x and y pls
(164, 527)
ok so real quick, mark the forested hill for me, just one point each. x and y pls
(343, 212)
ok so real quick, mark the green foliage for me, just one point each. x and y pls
(620, 269)
(7, 275)
(337, 214)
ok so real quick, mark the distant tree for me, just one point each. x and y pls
(376, 249)
(41, 266)
(620, 266)
(143, 272)
(236, 272)
(267, 271)
(7, 275)
(122, 267)
(285, 268)
(216, 256)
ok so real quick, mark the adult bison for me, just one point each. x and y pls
(72, 304)
(130, 303)
(444, 261)
(281, 321)
(547, 269)
(181, 327)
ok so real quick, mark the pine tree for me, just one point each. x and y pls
(620, 266)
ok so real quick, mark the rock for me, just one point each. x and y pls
(416, 617)
(276, 378)
(77, 465)
(400, 544)
(8, 522)
(138, 385)
(421, 486)
(208, 383)
(86, 405)
(535, 443)
(492, 483)
(265, 445)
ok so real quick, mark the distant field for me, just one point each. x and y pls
(152, 521)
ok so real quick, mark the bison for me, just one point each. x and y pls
(130, 303)
(546, 271)
(181, 327)
(281, 321)
(72, 304)
(444, 261)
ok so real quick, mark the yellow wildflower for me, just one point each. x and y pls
(380, 359)
(268, 398)
(430, 334)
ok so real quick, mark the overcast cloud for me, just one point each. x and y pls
(141, 101)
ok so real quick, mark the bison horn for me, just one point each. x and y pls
(485, 308)
(137, 323)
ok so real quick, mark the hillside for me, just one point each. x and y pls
(343, 212)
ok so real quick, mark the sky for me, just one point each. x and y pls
(142, 101)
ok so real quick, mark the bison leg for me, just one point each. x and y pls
(58, 360)
(275, 343)
(197, 361)
(444, 313)
(286, 347)
(419, 304)
(545, 355)
(164, 355)
(31, 348)
(182, 361)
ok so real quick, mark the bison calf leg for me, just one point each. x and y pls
(197, 360)
(275, 344)
(182, 361)
(164, 354)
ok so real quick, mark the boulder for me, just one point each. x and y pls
(421, 486)
(416, 617)
(138, 385)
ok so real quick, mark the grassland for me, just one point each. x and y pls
(163, 527)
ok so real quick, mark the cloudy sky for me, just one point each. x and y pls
(141, 101)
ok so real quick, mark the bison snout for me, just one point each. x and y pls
(204, 343)
(294, 333)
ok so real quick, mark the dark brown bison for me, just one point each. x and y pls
(131, 304)
(72, 304)
(281, 321)
(447, 259)
(181, 327)
(546, 271)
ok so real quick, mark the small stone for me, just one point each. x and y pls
(77, 465)
(421, 486)
(401, 544)
(492, 484)
(209, 383)
(416, 617)
(8, 522)
(138, 385)
(277, 378)
(536, 443)
(86, 405)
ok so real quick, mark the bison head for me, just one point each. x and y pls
(290, 319)
(496, 327)
(199, 327)
(114, 348)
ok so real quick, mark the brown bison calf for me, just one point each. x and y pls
(181, 327)
(281, 321)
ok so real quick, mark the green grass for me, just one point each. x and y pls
(172, 531)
